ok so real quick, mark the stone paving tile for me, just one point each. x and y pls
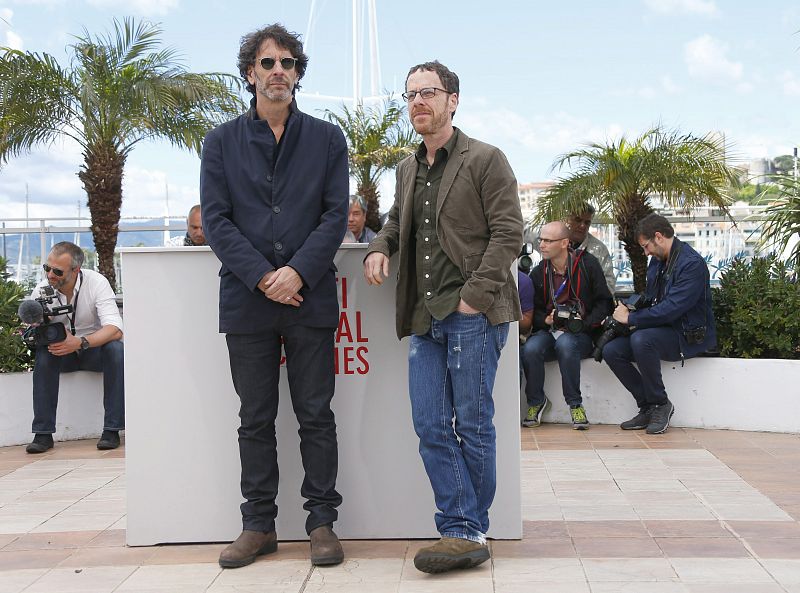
(628, 569)
(14, 581)
(534, 548)
(52, 541)
(32, 559)
(702, 547)
(765, 529)
(720, 570)
(774, 548)
(607, 529)
(616, 547)
(685, 529)
(88, 580)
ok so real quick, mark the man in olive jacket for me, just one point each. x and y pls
(457, 226)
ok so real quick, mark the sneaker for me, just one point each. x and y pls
(41, 442)
(450, 553)
(640, 421)
(108, 440)
(534, 416)
(659, 419)
(579, 420)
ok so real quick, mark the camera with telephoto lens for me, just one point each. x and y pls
(46, 332)
(614, 329)
(525, 259)
(567, 317)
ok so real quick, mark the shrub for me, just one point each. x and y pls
(14, 355)
(756, 308)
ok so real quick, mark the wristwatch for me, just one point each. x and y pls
(84, 343)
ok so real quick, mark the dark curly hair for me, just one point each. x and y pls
(448, 77)
(251, 43)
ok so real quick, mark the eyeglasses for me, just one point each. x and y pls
(426, 93)
(549, 241)
(55, 271)
(646, 243)
(286, 63)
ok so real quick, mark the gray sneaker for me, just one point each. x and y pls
(660, 417)
(534, 416)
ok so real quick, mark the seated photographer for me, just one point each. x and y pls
(570, 301)
(93, 342)
(679, 323)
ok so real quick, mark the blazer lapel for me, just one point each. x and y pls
(454, 162)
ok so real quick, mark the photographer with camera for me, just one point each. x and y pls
(571, 299)
(78, 327)
(679, 323)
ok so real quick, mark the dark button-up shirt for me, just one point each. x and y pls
(439, 280)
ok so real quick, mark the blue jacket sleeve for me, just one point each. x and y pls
(687, 288)
(322, 243)
(232, 248)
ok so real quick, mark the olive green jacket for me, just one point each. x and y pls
(479, 226)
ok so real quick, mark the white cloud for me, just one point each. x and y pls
(6, 14)
(791, 84)
(701, 7)
(668, 85)
(14, 41)
(141, 7)
(707, 59)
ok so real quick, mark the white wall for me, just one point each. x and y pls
(80, 407)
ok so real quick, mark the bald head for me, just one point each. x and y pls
(555, 230)
(554, 241)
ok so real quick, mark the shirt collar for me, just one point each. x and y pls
(422, 151)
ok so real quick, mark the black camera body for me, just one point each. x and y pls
(567, 317)
(614, 329)
(47, 332)
(695, 335)
(525, 259)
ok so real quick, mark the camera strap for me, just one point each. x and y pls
(566, 284)
(71, 319)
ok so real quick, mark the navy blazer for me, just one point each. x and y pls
(687, 299)
(261, 213)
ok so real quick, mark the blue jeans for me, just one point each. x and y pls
(647, 348)
(255, 369)
(451, 372)
(568, 349)
(107, 359)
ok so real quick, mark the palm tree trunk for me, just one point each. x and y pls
(629, 212)
(369, 192)
(101, 175)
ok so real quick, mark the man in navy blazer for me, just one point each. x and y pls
(274, 190)
(678, 325)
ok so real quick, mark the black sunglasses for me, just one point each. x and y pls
(55, 271)
(286, 63)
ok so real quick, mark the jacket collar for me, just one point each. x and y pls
(252, 114)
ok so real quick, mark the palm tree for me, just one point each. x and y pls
(781, 228)
(119, 90)
(378, 138)
(620, 177)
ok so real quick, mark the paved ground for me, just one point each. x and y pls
(692, 511)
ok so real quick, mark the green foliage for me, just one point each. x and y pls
(781, 229)
(756, 308)
(14, 355)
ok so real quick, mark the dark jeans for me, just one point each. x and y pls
(107, 359)
(255, 368)
(568, 349)
(647, 348)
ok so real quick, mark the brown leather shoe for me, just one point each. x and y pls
(450, 553)
(246, 547)
(325, 547)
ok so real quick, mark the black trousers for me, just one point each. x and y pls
(255, 368)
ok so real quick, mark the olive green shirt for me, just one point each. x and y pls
(439, 280)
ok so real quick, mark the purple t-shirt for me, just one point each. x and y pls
(525, 291)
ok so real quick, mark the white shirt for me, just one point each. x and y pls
(95, 305)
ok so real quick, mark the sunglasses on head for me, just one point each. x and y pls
(55, 271)
(286, 63)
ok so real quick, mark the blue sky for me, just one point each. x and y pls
(537, 78)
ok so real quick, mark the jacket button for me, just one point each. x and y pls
(278, 246)
(276, 209)
(269, 178)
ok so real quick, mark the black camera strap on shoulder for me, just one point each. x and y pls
(71, 318)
